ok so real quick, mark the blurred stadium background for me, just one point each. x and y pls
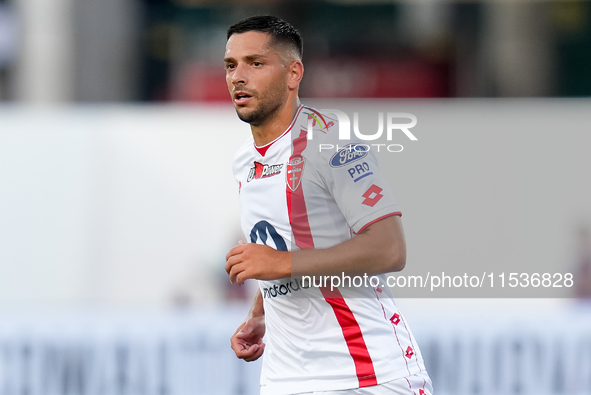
(117, 202)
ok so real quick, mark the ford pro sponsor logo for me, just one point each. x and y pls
(348, 154)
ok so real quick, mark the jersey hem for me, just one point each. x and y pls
(378, 219)
(297, 387)
(374, 217)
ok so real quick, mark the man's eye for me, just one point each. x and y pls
(257, 64)
(229, 66)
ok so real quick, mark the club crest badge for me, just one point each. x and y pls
(295, 169)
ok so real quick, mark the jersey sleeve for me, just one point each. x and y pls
(353, 177)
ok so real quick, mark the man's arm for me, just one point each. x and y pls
(247, 341)
(380, 248)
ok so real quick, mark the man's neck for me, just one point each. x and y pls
(277, 125)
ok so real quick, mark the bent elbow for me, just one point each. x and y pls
(396, 259)
(398, 264)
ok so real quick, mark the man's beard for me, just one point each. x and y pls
(268, 105)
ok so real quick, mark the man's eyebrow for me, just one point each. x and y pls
(255, 56)
(247, 58)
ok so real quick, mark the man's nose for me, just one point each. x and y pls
(239, 76)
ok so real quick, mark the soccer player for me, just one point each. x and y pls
(307, 212)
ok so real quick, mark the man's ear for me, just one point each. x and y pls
(295, 72)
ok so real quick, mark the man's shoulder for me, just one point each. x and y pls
(243, 155)
(323, 125)
(245, 148)
(324, 139)
(320, 127)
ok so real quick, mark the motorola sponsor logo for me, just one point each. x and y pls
(294, 285)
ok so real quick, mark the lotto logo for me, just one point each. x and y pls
(372, 195)
(395, 319)
(409, 352)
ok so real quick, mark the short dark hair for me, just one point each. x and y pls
(280, 31)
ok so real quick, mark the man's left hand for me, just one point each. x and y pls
(255, 261)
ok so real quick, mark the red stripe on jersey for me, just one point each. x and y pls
(353, 336)
(296, 205)
(298, 218)
(378, 219)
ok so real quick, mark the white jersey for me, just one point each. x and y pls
(294, 196)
